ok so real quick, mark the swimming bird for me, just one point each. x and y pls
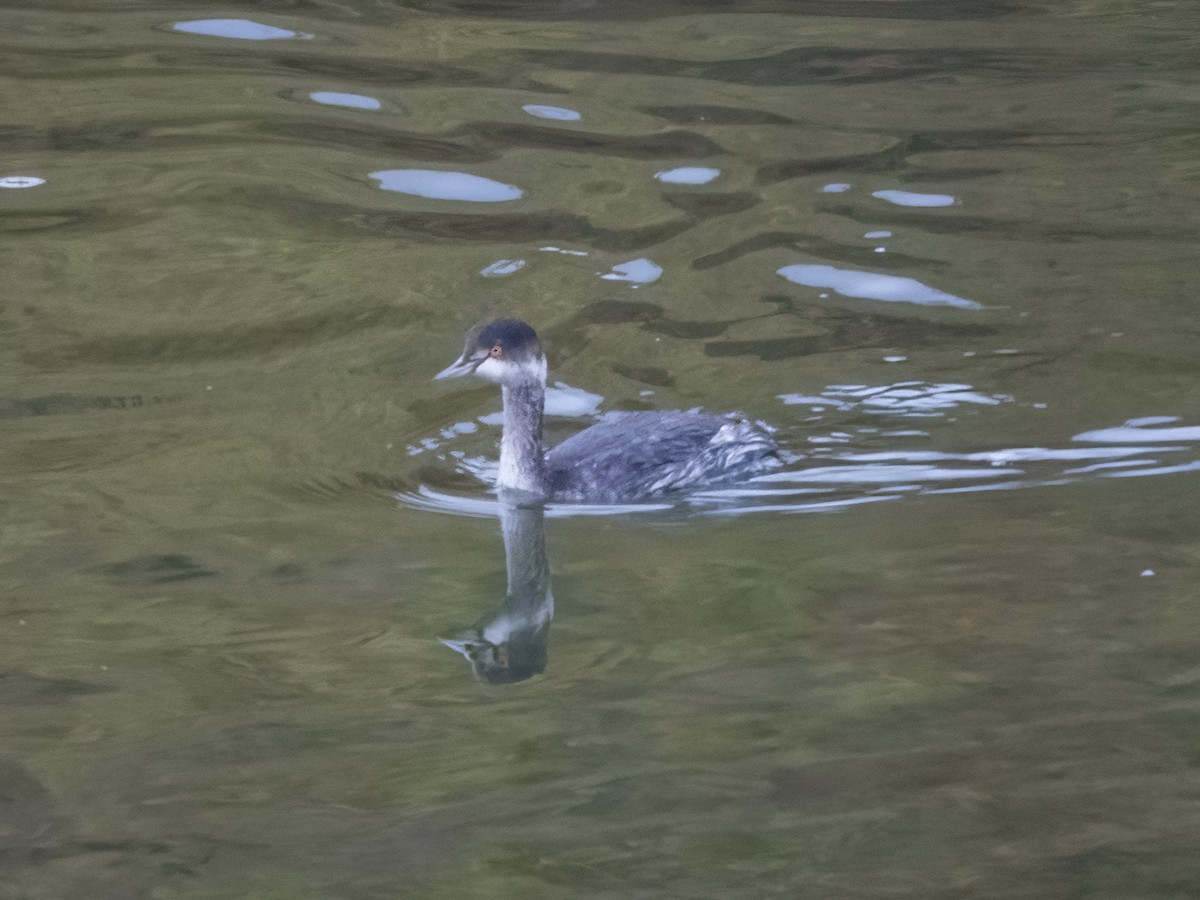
(624, 457)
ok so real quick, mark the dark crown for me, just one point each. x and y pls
(511, 335)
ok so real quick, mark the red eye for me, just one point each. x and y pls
(496, 352)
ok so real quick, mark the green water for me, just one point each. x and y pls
(224, 580)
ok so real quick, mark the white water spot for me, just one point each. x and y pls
(1008, 456)
(1147, 573)
(905, 398)
(909, 198)
(835, 188)
(639, 271)
(873, 286)
(438, 185)
(21, 181)
(688, 175)
(1156, 470)
(559, 113)
(894, 359)
(1132, 432)
(883, 474)
(1100, 467)
(337, 98)
(459, 428)
(561, 250)
(428, 499)
(877, 235)
(242, 29)
(827, 439)
(502, 267)
(564, 400)
(881, 249)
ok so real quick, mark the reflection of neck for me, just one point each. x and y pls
(522, 457)
(514, 638)
(524, 533)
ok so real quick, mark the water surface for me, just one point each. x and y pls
(949, 649)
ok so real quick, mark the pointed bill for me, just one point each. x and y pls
(463, 647)
(457, 369)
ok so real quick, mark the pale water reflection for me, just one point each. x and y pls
(688, 175)
(904, 398)
(637, 271)
(338, 98)
(912, 198)
(557, 113)
(438, 185)
(873, 286)
(21, 181)
(240, 29)
(502, 268)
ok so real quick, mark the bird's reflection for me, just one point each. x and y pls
(509, 644)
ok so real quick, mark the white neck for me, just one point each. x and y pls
(522, 456)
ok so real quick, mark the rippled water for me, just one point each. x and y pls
(946, 249)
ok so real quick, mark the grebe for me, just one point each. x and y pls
(624, 457)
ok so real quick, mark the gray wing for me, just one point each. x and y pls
(628, 456)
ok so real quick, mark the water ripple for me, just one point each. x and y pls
(836, 469)
(638, 10)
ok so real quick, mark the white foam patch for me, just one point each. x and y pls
(428, 499)
(353, 101)
(884, 474)
(638, 271)
(794, 509)
(502, 267)
(909, 198)
(904, 398)
(1004, 457)
(438, 185)
(873, 286)
(21, 181)
(1151, 420)
(459, 428)
(242, 29)
(564, 400)
(1131, 433)
(1156, 470)
(688, 175)
(559, 113)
